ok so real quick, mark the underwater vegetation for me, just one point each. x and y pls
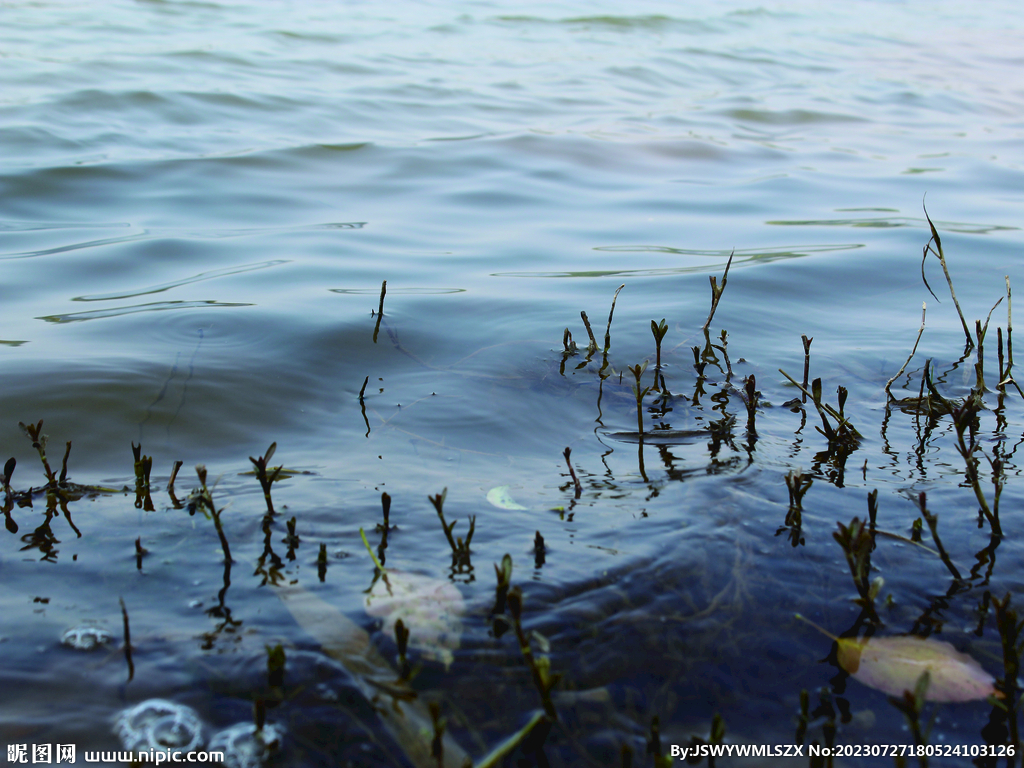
(443, 671)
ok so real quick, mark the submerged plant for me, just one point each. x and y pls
(911, 704)
(540, 666)
(965, 420)
(1010, 632)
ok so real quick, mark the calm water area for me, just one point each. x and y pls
(199, 202)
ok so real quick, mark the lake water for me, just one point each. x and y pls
(199, 202)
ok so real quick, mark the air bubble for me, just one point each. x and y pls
(160, 725)
(244, 747)
(86, 637)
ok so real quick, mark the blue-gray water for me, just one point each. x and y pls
(198, 205)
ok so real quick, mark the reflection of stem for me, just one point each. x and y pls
(380, 310)
(899, 373)
(933, 526)
(127, 642)
(1009, 633)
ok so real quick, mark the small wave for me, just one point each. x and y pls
(160, 306)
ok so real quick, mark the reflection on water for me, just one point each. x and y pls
(153, 306)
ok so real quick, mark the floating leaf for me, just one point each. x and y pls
(501, 498)
(430, 608)
(894, 664)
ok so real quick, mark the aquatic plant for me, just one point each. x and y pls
(460, 548)
(143, 468)
(842, 437)
(35, 434)
(267, 478)
(716, 292)
(572, 473)
(659, 330)
(608, 330)
(797, 483)
(639, 393)
(540, 666)
(202, 500)
(965, 421)
(911, 704)
(1010, 635)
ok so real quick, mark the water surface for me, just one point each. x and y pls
(200, 202)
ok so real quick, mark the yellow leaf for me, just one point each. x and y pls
(893, 665)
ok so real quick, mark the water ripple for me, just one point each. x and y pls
(159, 306)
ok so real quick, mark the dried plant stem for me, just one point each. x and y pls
(380, 309)
(888, 384)
(807, 363)
(608, 330)
(937, 251)
(572, 473)
(933, 526)
(717, 291)
(592, 347)
(174, 473)
(1009, 328)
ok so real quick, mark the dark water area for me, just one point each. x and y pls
(199, 203)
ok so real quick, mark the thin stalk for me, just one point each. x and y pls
(716, 291)
(592, 347)
(807, 363)
(937, 252)
(924, 308)
(608, 330)
(380, 310)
